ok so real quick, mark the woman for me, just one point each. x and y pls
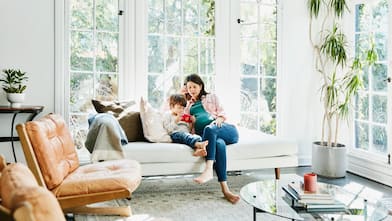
(210, 124)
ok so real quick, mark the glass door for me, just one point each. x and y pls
(372, 119)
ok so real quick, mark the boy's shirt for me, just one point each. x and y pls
(169, 123)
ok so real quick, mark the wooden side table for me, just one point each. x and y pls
(31, 110)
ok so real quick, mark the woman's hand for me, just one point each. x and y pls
(219, 121)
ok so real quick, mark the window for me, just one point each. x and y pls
(258, 37)
(371, 115)
(180, 42)
(93, 61)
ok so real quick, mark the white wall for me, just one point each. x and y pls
(299, 101)
(27, 42)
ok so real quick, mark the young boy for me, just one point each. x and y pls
(179, 126)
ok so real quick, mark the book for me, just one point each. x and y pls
(324, 191)
(337, 206)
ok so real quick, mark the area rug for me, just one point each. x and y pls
(178, 198)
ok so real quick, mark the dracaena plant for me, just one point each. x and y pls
(341, 76)
(14, 81)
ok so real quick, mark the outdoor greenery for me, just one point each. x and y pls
(14, 81)
(341, 81)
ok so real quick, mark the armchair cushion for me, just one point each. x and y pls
(54, 147)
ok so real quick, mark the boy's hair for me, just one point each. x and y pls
(177, 99)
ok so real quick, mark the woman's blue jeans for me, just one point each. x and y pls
(218, 138)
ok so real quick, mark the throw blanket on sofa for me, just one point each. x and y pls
(105, 138)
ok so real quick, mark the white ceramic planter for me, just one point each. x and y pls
(329, 161)
(16, 99)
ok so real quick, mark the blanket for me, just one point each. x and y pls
(105, 138)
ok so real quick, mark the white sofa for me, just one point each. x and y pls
(255, 150)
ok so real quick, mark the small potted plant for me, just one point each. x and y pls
(14, 85)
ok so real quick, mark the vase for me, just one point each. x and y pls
(16, 99)
(329, 161)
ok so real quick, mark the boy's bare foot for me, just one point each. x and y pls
(206, 176)
(200, 153)
(231, 197)
(200, 149)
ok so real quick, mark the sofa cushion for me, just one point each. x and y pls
(53, 145)
(128, 115)
(153, 124)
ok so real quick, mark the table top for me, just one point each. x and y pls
(268, 196)
(21, 109)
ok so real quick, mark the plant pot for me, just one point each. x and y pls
(16, 99)
(329, 161)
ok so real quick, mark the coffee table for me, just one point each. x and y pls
(267, 196)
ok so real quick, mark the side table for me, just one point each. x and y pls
(31, 110)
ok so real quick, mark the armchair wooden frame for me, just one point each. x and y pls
(78, 203)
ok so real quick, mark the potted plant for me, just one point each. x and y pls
(341, 79)
(14, 85)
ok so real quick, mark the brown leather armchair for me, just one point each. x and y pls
(51, 156)
(21, 197)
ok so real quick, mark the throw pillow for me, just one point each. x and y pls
(126, 112)
(114, 107)
(132, 125)
(152, 124)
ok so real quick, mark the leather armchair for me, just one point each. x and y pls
(51, 156)
(22, 199)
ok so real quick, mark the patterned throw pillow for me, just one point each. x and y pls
(152, 124)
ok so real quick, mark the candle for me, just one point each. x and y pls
(310, 182)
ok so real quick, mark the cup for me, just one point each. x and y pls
(310, 182)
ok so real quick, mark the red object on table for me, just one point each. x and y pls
(310, 182)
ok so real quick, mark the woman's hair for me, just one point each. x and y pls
(177, 99)
(197, 80)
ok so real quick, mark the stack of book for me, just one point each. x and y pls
(321, 200)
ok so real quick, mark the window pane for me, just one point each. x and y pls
(249, 12)
(363, 18)
(249, 57)
(379, 109)
(173, 16)
(191, 58)
(81, 14)
(107, 52)
(380, 16)
(268, 32)
(191, 19)
(249, 94)
(362, 44)
(207, 17)
(361, 136)
(155, 91)
(173, 55)
(381, 46)
(268, 90)
(267, 13)
(249, 121)
(107, 15)
(155, 54)
(379, 139)
(82, 51)
(156, 17)
(268, 59)
(78, 127)
(107, 87)
(81, 93)
(268, 123)
(379, 77)
(362, 106)
(207, 56)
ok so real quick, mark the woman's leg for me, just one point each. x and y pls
(231, 197)
(209, 134)
(228, 133)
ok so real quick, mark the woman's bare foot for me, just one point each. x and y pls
(231, 197)
(200, 149)
(206, 176)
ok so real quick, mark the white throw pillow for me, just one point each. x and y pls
(152, 124)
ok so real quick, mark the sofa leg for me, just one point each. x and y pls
(277, 173)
